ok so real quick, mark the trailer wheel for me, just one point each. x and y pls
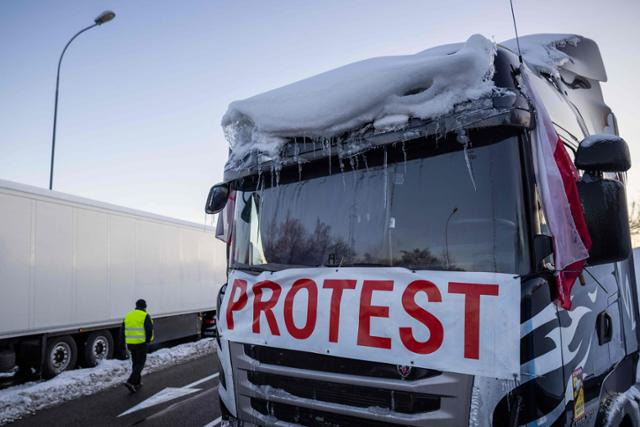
(61, 354)
(7, 360)
(98, 346)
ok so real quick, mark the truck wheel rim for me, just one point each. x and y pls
(100, 348)
(60, 356)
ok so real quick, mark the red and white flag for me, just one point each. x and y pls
(557, 177)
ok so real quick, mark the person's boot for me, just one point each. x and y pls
(131, 387)
(138, 387)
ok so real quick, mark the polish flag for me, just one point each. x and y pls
(556, 177)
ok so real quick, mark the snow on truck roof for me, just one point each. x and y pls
(385, 92)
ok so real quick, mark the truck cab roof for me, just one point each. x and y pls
(382, 100)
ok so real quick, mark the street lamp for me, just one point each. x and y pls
(104, 17)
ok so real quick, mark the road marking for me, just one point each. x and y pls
(169, 393)
(203, 380)
(214, 422)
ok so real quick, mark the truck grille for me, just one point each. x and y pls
(347, 394)
(314, 389)
(339, 365)
(306, 417)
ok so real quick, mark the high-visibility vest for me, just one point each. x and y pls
(134, 327)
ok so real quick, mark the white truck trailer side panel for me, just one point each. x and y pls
(15, 260)
(53, 291)
(122, 250)
(67, 262)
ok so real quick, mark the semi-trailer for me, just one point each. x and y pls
(71, 268)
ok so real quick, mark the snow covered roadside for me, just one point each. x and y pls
(24, 399)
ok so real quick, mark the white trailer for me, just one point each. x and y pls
(71, 268)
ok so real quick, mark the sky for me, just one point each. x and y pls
(141, 97)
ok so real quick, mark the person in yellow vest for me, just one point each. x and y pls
(138, 333)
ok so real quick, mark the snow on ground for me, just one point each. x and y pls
(24, 399)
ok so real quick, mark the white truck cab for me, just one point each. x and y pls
(391, 254)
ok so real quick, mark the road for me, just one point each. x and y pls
(186, 394)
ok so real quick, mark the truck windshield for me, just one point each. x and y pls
(437, 208)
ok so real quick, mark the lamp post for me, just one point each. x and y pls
(104, 17)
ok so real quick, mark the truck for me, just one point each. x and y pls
(438, 239)
(71, 268)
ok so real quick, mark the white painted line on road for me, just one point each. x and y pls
(203, 380)
(169, 393)
(214, 422)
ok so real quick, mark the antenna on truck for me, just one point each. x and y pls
(515, 27)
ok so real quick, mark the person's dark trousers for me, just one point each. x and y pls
(138, 359)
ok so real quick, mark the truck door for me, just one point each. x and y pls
(592, 338)
(625, 275)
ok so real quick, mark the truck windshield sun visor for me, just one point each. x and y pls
(451, 204)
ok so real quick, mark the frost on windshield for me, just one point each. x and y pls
(383, 93)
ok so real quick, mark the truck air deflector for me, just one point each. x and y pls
(510, 110)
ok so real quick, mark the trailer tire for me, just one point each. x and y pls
(60, 355)
(7, 360)
(98, 346)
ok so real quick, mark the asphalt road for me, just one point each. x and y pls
(163, 401)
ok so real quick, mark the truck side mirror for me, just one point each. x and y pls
(605, 210)
(603, 153)
(217, 198)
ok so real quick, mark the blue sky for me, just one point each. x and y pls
(141, 97)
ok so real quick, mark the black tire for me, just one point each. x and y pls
(618, 411)
(98, 346)
(61, 355)
(7, 360)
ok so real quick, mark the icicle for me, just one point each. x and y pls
(386, 176)
(404, 154)
(329, 155)
(464, 140)
(296, 157)
(273, 171)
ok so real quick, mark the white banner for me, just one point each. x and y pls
(450, 321)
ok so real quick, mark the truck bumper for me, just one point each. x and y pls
(275, 386)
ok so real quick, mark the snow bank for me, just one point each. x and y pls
(24, 399)
(541, 51)
(385, 91)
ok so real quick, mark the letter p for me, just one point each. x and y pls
(238, 304)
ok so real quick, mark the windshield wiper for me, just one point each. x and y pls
(270, 266)
(248, 267)
(367, 264)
